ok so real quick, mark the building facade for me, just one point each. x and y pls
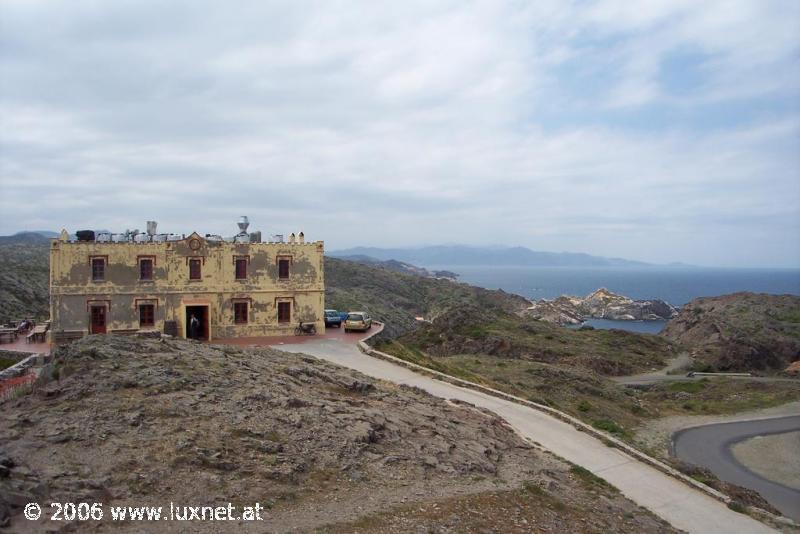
(234, 289)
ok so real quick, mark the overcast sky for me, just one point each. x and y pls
(656, 130)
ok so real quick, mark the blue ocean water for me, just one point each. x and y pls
(642, 327)
(674, 285)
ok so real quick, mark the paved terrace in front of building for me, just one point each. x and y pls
(22, 345)
(331, 334)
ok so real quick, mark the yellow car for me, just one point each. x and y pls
(357, 321)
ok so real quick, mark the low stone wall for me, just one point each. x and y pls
(578, 424)
(22, 367)
(15, 355)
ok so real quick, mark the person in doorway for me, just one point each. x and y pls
(194, 327)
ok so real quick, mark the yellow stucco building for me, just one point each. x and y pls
(236, 287)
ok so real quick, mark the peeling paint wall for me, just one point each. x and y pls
(73, 291)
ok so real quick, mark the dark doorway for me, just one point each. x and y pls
(201, 312)
(98, 322)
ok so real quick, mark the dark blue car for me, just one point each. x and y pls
(333, 318)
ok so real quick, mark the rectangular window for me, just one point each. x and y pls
(147, 315)
(194, 270)
(283, 269)
(146, 269)
(240, 312)
(241, 268)
(98, 269)
(284, 312)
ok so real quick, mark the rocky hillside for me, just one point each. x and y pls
(399, 298)
(740, 332)
(471, 330)
(25, 238)
(400, 267)
(24, 281)
(601, 304)
(148, 422)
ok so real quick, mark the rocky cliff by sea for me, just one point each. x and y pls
(600, 304)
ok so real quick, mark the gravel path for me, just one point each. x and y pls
(775, 457)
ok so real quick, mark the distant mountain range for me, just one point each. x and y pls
(436, 255)
(456, 255)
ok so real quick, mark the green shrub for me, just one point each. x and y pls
(736, 506)
(534, 488)
(701, 367)
(584, 406)
(688, 387)
(588, 477)
(609, 426)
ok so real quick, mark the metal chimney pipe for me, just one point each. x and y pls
(243, 224)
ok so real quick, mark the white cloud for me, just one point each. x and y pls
(459, 122)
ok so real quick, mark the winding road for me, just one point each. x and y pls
(681, 505)
(710, 446)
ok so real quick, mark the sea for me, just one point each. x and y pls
(676, 285)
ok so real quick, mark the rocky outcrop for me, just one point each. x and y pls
(561, 311)
(740, 332)
(601, 304)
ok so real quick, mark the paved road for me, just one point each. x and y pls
(682, 506)
(710, 446)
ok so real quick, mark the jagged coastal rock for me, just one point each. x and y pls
(601, 304)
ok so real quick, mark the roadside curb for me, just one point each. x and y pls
(576, 423)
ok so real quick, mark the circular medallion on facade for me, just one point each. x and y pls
(194, 243)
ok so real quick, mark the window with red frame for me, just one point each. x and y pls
(147, 316)
(241, 268)
(284, 312)
(98, 269)
(146, 269)
(195, 270)
(240, 312)
(283, 269)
